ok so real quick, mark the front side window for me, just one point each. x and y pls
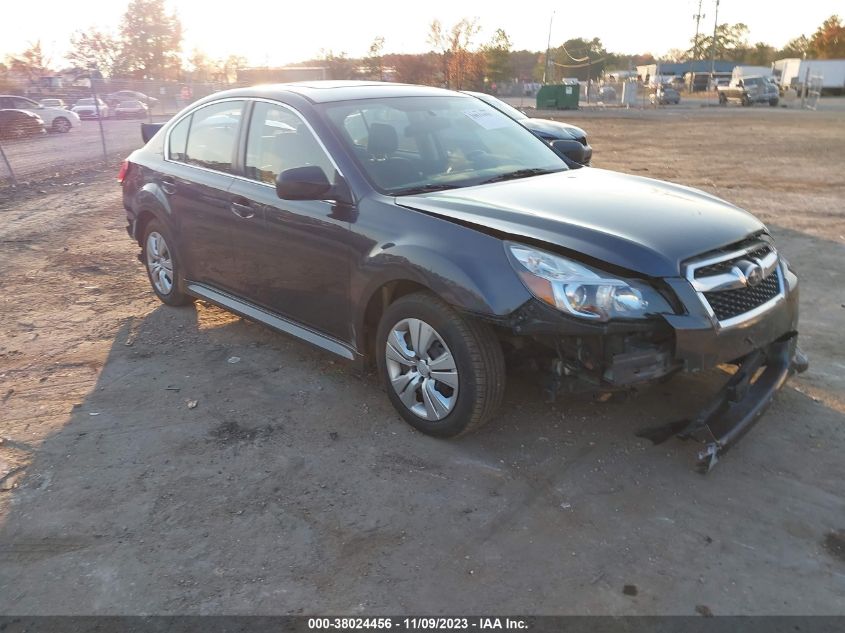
(279, 140)
(410, 144)
(212, 136)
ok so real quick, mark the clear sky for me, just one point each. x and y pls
(285, 31)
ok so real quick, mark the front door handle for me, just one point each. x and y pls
(242, 209)
(168, 185)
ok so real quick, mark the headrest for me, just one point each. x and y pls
(383, 140)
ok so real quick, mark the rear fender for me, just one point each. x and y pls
(151, 199)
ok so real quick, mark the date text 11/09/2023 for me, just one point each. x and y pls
(420, 623)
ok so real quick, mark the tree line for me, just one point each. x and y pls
(147, 45)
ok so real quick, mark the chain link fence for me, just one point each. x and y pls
(108, 127)
(94, 142)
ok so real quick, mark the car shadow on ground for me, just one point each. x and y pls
(218, 467)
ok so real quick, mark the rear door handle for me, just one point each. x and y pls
(168, 185)
(242, 208)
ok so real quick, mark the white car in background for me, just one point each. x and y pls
(55, 119)
(53, 103)
(88, 109)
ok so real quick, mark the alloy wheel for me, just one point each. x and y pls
(159, 263)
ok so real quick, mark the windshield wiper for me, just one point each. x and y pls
(520, 173)
(409, 191)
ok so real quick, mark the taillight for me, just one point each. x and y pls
(121, 175)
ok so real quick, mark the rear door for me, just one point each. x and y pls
(196, 178)
(293, 256)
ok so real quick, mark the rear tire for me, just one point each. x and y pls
(444, 373)
(723, 100)
(163, 265)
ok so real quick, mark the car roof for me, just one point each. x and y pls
(326, 91)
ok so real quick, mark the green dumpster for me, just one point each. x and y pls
(563, 96)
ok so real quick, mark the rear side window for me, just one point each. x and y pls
(179, 139)
(212, 136)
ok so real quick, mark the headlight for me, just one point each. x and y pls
(581, 290)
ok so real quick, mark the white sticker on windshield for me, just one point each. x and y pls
(488, 119)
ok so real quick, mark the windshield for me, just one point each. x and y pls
(85, 102)
(500, 105)
(414, 144)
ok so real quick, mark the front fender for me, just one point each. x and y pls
(477, 279)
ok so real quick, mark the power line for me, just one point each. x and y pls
(574, 59)
(590, 63)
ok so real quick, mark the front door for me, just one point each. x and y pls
(296, 261)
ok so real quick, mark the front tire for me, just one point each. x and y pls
(61, 124)
(444, 373)
(163, 266)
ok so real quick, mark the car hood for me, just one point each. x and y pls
(643, 225)
(554, 129)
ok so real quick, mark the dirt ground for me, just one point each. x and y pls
(293, 487)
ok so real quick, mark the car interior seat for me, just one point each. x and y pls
(388, 169)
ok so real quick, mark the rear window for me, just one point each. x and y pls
(179, 139)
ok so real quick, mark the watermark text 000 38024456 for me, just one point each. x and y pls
(418, 623)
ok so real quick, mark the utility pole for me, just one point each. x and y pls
(8, 166)
(713, 46)
(546, 68)
(698, 16)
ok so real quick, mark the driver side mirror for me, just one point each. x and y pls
(302, 183)
(310, 183)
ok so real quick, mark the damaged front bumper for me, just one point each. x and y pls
(739, 403)
(622, 355)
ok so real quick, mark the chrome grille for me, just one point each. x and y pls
(736, 283)
(730, 303)
(725, 266)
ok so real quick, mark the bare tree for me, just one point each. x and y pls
(459, 64)
(95, 49)
(414, 69)
(31, 64)
(375, 62)
(340, 66)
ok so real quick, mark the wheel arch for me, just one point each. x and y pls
(151, 202)
(476, 279)
(378, 301)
